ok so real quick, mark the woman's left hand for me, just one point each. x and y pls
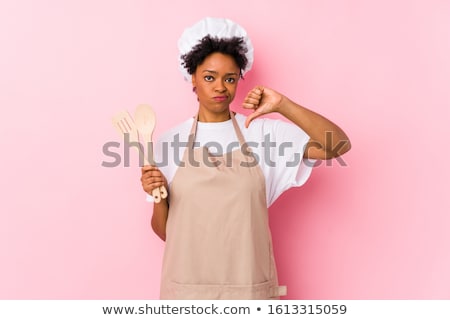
(262, 100)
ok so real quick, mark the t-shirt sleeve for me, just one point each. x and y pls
(283, 162)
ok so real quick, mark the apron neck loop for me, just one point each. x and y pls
(193, 132)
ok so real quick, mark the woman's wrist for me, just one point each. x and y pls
(285, 106)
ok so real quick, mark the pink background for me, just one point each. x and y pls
(377, 228)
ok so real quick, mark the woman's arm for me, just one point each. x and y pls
(327, 140)
(159, 218)
(151, 179)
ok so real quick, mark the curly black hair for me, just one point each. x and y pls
(234, 47)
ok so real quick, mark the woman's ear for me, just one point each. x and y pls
(194, 86)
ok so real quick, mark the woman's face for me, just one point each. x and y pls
(216, 81)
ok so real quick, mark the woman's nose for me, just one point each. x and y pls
(220, 87)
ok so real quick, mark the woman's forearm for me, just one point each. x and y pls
(327, 140)
(159, 218)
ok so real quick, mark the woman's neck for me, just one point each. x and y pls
(204, 116)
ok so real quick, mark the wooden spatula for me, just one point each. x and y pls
(145, 120)
(124, 124)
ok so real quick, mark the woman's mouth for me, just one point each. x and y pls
(220, 98)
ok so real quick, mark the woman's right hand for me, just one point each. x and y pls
(152, 178)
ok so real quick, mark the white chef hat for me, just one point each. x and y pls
(215, 27)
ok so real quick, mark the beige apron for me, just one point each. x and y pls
(218, 242)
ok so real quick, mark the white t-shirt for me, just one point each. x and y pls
(277, 145)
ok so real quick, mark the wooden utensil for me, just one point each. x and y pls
(125, 125)
(145, 120)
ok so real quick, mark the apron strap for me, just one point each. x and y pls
(237, 129)
(278, 291)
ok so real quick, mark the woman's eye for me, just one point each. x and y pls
(209, 78)
(231, 80)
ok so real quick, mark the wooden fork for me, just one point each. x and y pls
(125, 125)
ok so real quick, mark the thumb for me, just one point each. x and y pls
(252, 116)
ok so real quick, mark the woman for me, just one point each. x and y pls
(215, 223)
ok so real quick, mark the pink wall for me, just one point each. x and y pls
(374, 229)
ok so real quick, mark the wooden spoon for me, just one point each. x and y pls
(145, 120)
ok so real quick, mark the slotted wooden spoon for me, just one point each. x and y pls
(125, 125)
(145, 120)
